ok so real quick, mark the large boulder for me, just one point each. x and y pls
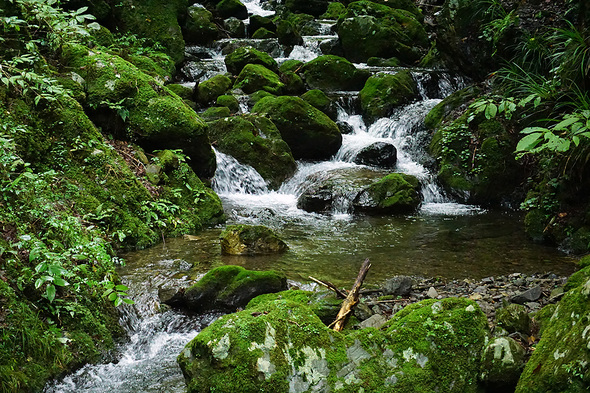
(250, 240)
(369, 29)
(255, 141)
(312, 7)
(288, 34)
(333, 73)
(308, 132)
(395, 193)
(199, 27)
(229, 8)
(227, 288)
(254, 77)
(282, 346)
(240, 57)
(560, 360)
(157, 118)
(384, 92)
(502, 363)
(321, 101)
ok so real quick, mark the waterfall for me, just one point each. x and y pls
(231, 177)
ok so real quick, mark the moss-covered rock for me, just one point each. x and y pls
(159, 65)
(577, 279)
(318, 99)
(502, 363)
(156, 117)
(227, 288)
(156, 20)
(383, 92)
(255, 141)
(182, 91)
(262, 34)
(291, 65)
(216, 113)
(332, 73)
(312, 7)
(250, 240)
(229, 101)
(229, 8)
(369, 29)
(242, 56)
(334, 10)
(293, 83)
(199, 27)
(258, 21)
(395, 193)
(288, 33)
(254, 77)
(283, 346)
(435, 117)
(235, 27)
(308, 132)
(381, 62)
(209, 90)
(514, 318)
(560, 360)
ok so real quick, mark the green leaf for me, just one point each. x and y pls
(60, 282)
(128, 301)
(121, 288)
(117, 302)
(50, 292)
(529, 142)
(576, 140)
(530, 130)
(34, 254)
(491, 111)
(112, 296)
(564, 123)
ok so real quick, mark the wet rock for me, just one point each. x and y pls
(262, 34)
(240, 57)
(254, 77)
(398, 286)
(362, 311)
(395, 193)
(258, 21)
(235, 27)
(502, 363)
(209, 90)
(250, 240)
(379, 154)
(529, 295)
(345, 128)
(384, 92)
(312, 7)
(199, 27)
(308, 132)
(514, 318)
(229, 8)
(227, 288)
(288, 34)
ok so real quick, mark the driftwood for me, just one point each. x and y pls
(352, 299)
(330, 286)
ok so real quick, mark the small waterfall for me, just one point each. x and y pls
(255, 8)
(232, 177)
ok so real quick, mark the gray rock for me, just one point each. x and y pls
(375, 321)
(362, 311)
(432, 293)
(398, 286)
(530, 295)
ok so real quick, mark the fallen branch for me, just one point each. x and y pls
(330, 286)
(352, 299)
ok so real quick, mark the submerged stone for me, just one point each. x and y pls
(250, 240)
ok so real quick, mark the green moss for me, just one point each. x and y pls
(334, 10)
(514, 318)
(383, 92)
(254, 77)
(182, 91)
(263, 33)
(559, 362)
(380, 62)
(577, 279)
(293, 83)
(229, 8)
(229, 101)
(157, 65)
(288, 33)
(291, 65)
(318, 99)
(330, 72)
(215, 113)
(242, 56)
(258, 95)
(209, 90)
(308, 132)
(199, 27)
(255, 141)
(435, 117)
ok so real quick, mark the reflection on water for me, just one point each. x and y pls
(460, 246)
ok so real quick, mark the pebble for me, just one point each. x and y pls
(432, 293)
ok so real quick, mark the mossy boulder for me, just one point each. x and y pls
(199, 27)
(216, 113)
(502, 363)
(235, 27)
(577, 279)
(291, 65)
(293, 83)
(208, 91)
(384, 92)
(282, 346)
(288, 33)
(229, 101)
(560, 360)
(240, 57)
(228, 8)
(369, 29)
(250, 240)
(227, 288)
(312, 7)
(308, 132)
(255, 141)
(435, 117)
(318, 99)
(157, 118)
(258, 21)
(157, 64)
(334, 10)
(156, 20)
(381, 62)
(333, 73)
(184, 92)
(262, 34)
(395, 193)
(254, 77)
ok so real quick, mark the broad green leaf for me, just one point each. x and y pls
(50, 291)
(60, 282)
(128, 301)
(529, 130)
(117, 302)
(576, 140)
(529, 142)
(564, 123)
(121, 288)
(113, 296)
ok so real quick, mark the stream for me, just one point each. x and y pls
(444, 238)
